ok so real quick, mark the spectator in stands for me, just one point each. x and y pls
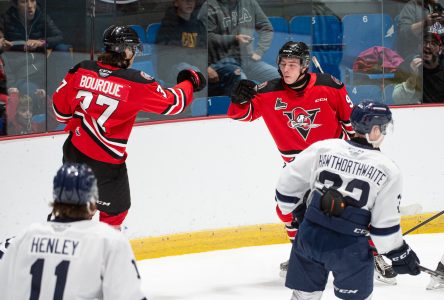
(3, 81)
(428, 86)
(233, 54)
(416, 17)
(181, 41)
(3, 92)
(28, 32)
(19, 114)
(2, 118)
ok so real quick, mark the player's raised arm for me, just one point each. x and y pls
(168, 101)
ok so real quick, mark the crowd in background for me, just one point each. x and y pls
(224, 39)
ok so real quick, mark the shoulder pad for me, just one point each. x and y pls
(270, 86)
(328, 80)
(134, 75)
(86, 64)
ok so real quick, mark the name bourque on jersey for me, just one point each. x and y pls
(298, 119)
(361, 174)
(100, 103)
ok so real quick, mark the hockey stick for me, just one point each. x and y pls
(436, 273)
(424, 222)
(93, 19)
(317, 64)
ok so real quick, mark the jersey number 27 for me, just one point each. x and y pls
(101, 100)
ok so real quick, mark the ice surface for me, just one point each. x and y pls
(253, 273)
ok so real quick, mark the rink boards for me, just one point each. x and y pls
(245, 236)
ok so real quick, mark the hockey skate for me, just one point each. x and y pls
(435, 282)
(283, 269)
(384, 272)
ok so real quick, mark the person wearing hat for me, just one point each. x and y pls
(426, 81)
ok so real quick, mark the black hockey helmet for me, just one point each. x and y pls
(117, 38)
(295, 50)
(75, 184)
(367, 114)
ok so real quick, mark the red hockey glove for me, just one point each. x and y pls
(195, 77)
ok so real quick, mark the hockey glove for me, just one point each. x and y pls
(243, 92)
(195, 77)
(404, 260)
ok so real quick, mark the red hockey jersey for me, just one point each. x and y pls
(297, 119)
(99, 103)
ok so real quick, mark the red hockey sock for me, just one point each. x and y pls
(372, 247)
(113, 220)
(287, 219)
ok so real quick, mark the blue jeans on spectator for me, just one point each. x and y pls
(231, 71)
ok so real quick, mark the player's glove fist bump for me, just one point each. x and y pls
(195, 77)
(404, 260)
(243, 92)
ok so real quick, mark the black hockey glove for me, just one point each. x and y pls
(404, 260)
(195, 77)
(243, 92)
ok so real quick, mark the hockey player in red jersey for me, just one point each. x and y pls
(99, 101)
(299, 108)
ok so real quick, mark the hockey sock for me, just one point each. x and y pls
(113, 220)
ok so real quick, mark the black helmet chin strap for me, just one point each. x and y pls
(301, 82)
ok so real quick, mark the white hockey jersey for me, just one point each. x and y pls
(361, 173)
(74, 260)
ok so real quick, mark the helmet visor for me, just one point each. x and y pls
(387, 128)
(137, 49)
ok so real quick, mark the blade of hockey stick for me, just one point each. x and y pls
(437, 274)
(317, 64)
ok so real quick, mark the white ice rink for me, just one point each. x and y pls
(252, 273)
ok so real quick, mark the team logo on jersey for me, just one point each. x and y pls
(280, 104)
(302, 120)
(104, 72)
